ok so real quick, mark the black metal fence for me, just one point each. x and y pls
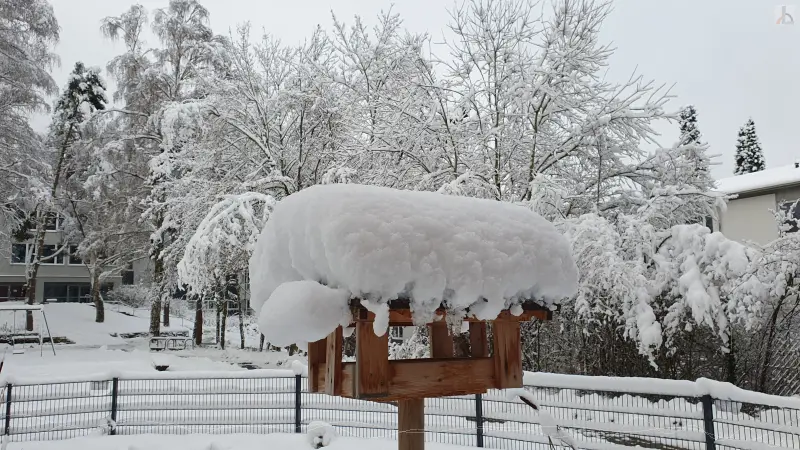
(262, 402)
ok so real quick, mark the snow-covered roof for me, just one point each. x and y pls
(762, 180)
(380, 244)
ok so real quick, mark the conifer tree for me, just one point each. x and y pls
(749, 156)
(694, 151)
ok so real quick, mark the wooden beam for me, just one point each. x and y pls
(441, 340)
(419, 378)
(333, 363)
(316, 360)
(478, 341)
(507, 354)
(411, 424)
(372, 361)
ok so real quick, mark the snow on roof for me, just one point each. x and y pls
(380, 244)
(765, 179)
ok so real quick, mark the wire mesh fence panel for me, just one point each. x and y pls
(211, 406)
(597, 420)
(746, 426)
(59, 410)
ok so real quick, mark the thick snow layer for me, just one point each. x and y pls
(76, 322)
(320, 434)
(765, 179)
(318, 308)
(381, 244)
(205, 442)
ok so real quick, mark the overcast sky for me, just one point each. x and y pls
(727, 57)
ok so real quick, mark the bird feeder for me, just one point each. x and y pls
(330, 256)
(409, 382)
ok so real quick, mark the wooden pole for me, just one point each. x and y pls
(411, 424)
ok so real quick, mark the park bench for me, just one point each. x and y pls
(158, 343)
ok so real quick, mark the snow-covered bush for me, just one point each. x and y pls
(135, 295)
(320, 434)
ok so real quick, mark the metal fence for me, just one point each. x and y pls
(255, 403)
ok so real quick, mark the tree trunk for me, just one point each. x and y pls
(730, 360)
(769, 348)
(30, 286)
(224, 323)
(261, 344)
(99, 306)
(166, 313)
(198, 321)
(155, 322)
(218, 308)
(32, 270)
(241, 323)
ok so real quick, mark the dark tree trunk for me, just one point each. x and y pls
(730, 360)
(769, 348)
(155, 322)
(198, 321)
(166, 313)
(224, 323)
(261, 344)
(99, 306)
(218, 307)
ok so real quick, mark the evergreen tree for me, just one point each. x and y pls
(694, 151)
(749, 156)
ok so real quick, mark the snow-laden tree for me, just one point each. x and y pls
(84, 94)
(221, 246)
(159, 86)
(101, 209)
(749, 156)
(28, 31)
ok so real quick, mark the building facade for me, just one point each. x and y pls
(750, 215)
(63, 278)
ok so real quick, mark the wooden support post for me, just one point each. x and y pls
(316, 360)
(507, 354)
(441, 340)
(478, 340)
(333, 363)
(372, 361)
(411, 424)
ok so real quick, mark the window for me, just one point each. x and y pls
(19, 253)
(396, 333)
(74, 259)
(12, 292)
(127, 275)
(51, 254)
(54, 222)
(792, 211)
(5, 290)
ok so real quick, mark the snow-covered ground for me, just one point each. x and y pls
(100, 348)
(217, 442)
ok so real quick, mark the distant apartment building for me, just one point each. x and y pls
(64, 278)
(750, 215)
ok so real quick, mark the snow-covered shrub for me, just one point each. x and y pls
(135, 295)
(320, 434)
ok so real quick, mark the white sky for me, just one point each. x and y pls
(727, 57)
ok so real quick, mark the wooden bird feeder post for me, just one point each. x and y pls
(409, 382)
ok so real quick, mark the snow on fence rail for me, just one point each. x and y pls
(602, 413)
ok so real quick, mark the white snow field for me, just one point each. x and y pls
(275, 441)
(472, 256)
(99, 348)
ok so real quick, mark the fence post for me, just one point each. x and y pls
(114, 389)
(297, 397)
(708, 421)
(8, 410)
(479, 420)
